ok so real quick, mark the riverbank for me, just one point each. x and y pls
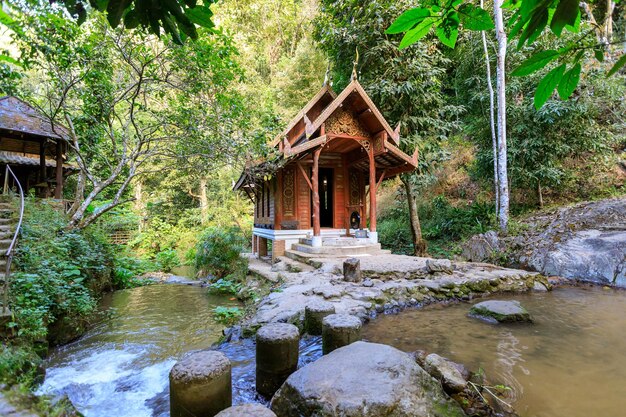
(390, 283)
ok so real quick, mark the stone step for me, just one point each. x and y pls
(337, 241)
(7, 213)
(339, 250)
(7, 221)
(5, 243)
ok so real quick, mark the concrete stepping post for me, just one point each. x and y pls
(277, 351)
(314, 313)
(200, 385)
(352, 270)
(247, 410)
(339, 330)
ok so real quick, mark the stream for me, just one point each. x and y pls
(570, 362)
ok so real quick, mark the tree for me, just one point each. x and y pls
(130, 102)
(502, 171)
(406, 85)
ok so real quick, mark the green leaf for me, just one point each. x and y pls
(115, 11)
(475, 18)
(599, 53)
(407, 20)
(131, 20)
(533, 29)
(568, 83)
(10, 60)
(535, 62)
(201, 16)
(619, 64)
(417, 33)
(547, 85)
(566, 13)
(447, 36)
(170, 28)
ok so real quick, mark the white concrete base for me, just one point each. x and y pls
(316, 241)
(373, 237)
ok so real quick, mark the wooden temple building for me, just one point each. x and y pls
(35, 150)
(333, 156)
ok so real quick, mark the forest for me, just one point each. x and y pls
(164, 109)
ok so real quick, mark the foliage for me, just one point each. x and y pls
(548, 147)
(224, 286)
(219, 253)
(227, 315)
(394, 231)
(128, 268)
(19, 365)
(167, 259)
(59, 273)
(528, 19)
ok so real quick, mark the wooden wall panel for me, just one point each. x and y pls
(303, 203)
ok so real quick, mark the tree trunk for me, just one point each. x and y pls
(492, 121)
(503, 181)
(204, 201)
(419, 244)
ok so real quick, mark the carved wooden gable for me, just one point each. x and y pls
(343, 122)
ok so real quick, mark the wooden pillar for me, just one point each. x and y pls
(58, 191)
(262, 246)
(372, 190)
(316, 194)
(278, 202)
(42, 161)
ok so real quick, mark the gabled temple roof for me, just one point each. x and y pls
(320, 100)
(20, 118)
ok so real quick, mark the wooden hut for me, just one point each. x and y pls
(333, 156)
(33, 147)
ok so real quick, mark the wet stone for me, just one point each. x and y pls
(314, 314)
(200, 385)
(277, 351)
(339, 330)
(247, 410)
(500, 311)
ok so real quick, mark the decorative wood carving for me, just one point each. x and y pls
(355, 189)
(366, 144)
(344, 122)
(289, 175)
(379, 146)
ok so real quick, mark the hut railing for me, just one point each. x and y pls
(11, 249)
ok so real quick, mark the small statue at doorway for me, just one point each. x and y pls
(355, 220)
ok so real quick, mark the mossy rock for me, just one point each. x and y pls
(501, 312)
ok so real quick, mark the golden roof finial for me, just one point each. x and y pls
(356, 62)
(327, 76)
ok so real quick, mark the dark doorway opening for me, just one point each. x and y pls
(326, 188)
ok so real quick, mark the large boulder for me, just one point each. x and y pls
(482, 247)
(365, 380)
(500, 311)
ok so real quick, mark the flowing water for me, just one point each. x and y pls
(121, 366)
(570, 363)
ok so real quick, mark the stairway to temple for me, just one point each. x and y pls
(334, 247)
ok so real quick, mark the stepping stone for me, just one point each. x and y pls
(500, 311)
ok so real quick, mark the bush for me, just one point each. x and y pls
(227, 315)
(167, 259)
(218, 253)
(394, 231)
(60, 272)
(224, 286)
(19, 365)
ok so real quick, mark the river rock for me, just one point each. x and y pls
(365, 380)
(453, 376)
(501, 311)
(352, 270)
(339, 330)
(247, 410)
(439, 265)
(200, 385)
